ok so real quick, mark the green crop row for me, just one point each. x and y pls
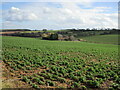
(54, 63)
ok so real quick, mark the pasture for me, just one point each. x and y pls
(104, 39)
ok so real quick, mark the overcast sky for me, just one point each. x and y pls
(59, 15)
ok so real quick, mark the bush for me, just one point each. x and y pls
(93, 84)
(72, 86)
(50, 83)
(41, 83)
(100, 80)
(62, 80)
(19, 66)
(36, 79)
(41, 78)
(83, 88)
(15, 68)
(78, 73)
(116, 86)
(25, 79)
(48, 76)
(77, 85)
(82, 79)
(54, 37)
(28, 68)
(34, 85)
(30, 82)
(101, 76)
(75, 78)
(55, 77)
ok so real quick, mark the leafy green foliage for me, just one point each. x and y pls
(35, 86)
(75, 64)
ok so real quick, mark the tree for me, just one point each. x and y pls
(54, 37)
(44, 30)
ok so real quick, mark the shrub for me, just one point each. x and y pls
(77, 85)
(79, 73)
(116, 86)
(82, 79)
(101, 76)
(28, 68)
(41, 78)
(54, 37)
(75, 78)
(36, 79)
(55, 77)
(30, 82)
(19, 66)
(62, 80)
(41, 83)
(89, 77)
(69, 70)
(34, 85)
(25, 79)
(93, 83)
(48, 76)
(83, 88)
(50, 83)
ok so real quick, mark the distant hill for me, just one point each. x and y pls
(104, 39)
(10, 30)
(94, 36)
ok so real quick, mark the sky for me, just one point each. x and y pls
(59, 15)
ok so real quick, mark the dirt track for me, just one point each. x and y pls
(1, 33)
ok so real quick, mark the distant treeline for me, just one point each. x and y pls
(10, 30)
(64, 34)
(83, 32)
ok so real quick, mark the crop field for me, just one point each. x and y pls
(105, 39)
(62, 64)
(51, 31)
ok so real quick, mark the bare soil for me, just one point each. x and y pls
(8, 81)
(11, 32)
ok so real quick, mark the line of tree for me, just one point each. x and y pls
(68, 34)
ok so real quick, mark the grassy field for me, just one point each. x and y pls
(105, 39)
(61, 64)
(51, 31)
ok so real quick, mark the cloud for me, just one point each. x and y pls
(73, 16)
(14, 10)
(8, 24)
(69, 15)
(47, 10)
(16, 14)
